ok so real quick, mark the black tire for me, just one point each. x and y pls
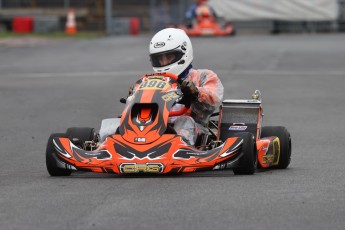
(285, 143)
(51, 162)
(82, 134)
(233, 33)
(248, 163)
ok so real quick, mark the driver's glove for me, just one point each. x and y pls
(189, 90)
(190, 93)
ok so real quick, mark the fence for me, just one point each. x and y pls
(341, 20)
(152, 14)
(46, 3)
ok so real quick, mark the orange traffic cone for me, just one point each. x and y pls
(71, 27)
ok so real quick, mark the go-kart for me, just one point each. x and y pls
(143, 141)
(207, 25)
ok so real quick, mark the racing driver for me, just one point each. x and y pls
(198, 9)
(171, 51)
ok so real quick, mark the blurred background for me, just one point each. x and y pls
(121, 17)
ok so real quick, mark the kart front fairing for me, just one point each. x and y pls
(145, 117)
(169, 154)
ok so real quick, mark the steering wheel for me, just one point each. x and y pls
(164, 74)
(174, 77)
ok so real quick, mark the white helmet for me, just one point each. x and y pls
(173, 45)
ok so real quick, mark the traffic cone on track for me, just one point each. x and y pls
(71, 27)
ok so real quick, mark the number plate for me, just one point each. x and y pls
(154, 84)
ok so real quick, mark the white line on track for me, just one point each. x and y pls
(140, 73)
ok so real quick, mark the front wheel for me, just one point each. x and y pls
(285, 143)
(52, 161)
(249, 161)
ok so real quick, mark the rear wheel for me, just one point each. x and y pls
(233, 33)
(51, 158)
(249, 161)
(285, 143)
(80, 135)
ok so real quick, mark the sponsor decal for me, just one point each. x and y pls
(140, 139)
(141, 168)
(156, 75)
(268, 159)
(71, 167)
(189, 153)
(170, 96)
(219, 166)
(238, 127)
(99, 155)
(159, 44)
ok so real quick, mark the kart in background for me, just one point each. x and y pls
(142, 141)
(206, 24)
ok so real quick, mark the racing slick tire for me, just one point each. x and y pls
(79, 135)
(233, 32)
(248, 163)
(285, 143)
(51, 161)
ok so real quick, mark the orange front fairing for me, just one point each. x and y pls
(169, 154)
(145, 117)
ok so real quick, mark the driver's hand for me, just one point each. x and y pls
(189, 90)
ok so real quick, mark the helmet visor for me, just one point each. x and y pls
(166, 58)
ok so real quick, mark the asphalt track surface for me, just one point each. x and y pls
(46, 89)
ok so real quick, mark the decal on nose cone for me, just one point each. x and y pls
(141, 168)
